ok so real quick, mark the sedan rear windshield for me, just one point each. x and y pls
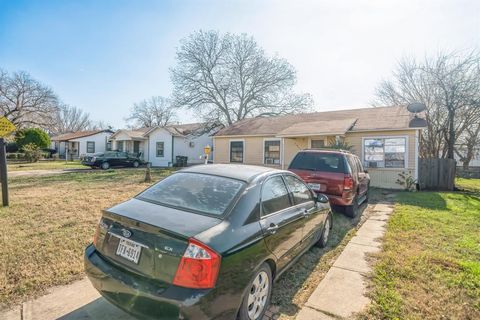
(194, 192)
(316, 161)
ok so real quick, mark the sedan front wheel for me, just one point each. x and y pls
(105, 166)
(257, 297)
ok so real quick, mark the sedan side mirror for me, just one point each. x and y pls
(322, 198)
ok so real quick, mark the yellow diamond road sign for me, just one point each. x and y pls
(6, 127)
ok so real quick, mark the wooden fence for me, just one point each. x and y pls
(436, 174)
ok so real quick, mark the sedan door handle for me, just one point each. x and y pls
(307, 213)
(272, 229)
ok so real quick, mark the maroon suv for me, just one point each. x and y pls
(338, 174)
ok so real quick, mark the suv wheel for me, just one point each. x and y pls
(257, 298)
(353, 209)
(105, 165)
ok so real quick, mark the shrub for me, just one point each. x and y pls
(406, 180)
(35, 136)
(11, 156)
(32, 152)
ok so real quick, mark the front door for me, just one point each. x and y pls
(136, 147)
(281, 222)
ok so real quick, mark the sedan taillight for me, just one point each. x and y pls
(198, 268)
(347, 183)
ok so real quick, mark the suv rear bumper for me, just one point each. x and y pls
(142, 297)
(344, 200)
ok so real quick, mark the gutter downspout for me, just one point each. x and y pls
(282, 153)
(173, 145)
(417, 149)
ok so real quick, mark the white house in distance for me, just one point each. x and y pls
(162, 144)
(73, 145)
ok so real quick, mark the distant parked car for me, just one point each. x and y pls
(108, 159)
(338, 174)
(206, 242)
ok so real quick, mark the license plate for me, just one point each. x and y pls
(315, 186)
(129, 250)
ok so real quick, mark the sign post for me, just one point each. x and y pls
(6, 127)
(207, 150)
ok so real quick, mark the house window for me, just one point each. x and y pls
(236, 151)
(160, 149)
(119, 145)
(109, 146)
(90, 147)
(317, 144)
(385, 152)
(271, 152)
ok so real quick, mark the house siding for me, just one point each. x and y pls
(100, 140)
(194, 154)
(380, 177)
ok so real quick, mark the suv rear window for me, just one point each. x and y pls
(194, 192)
(317, 161)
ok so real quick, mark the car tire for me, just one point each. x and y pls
(353, 209)
(105, 165)
(327, 226)
(135, 164)
(258, 294)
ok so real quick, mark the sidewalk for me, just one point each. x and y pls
(77, 301)
(341, 293)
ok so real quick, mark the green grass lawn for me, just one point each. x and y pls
(472, 185)
(430, 265)
(50, 221)
(45, 165)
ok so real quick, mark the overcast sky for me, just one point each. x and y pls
(103, 56)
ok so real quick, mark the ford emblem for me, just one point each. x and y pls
(126, 233)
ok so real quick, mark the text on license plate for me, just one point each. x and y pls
(315, 186)
(129, 250)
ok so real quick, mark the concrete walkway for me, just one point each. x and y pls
(341, 293)
(43, 172)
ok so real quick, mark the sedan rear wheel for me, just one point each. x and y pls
(136, 164)
(327, 226)
(257, 297)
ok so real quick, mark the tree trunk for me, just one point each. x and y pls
(451, 134)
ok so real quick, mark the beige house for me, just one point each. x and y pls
(385, 138)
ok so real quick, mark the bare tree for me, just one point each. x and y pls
(468, 144)
(25, 101)
(449, 85)
(228, 78)
(70, 119)
(156, 111)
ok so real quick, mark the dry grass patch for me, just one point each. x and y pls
(50, 221)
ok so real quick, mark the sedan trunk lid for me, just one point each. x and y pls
(147, 238)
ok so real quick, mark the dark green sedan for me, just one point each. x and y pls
(207, 242)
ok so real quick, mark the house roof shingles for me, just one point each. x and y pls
(365, 119)
(75, 135)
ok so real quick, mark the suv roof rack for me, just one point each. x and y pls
(328, 149)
